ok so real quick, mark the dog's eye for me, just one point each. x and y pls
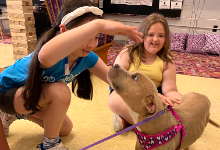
(135, 77)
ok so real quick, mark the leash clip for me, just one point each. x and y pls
(167, 109)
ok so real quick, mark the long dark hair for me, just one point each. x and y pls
(2, 89)
(33, 86)
(164, 54)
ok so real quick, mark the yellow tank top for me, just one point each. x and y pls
(154, 71)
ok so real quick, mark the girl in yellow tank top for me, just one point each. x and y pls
(154, 71)
(152, 58)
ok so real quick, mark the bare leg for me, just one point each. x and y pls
(57, 98)
(65, 129)
(118, 106)
(36, 120)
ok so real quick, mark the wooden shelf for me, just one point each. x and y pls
(102, 51)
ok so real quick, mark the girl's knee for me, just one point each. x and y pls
(114, 103)
(67, 130)
(63, 92)
(57, 91)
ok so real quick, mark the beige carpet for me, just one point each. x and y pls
(92, 120)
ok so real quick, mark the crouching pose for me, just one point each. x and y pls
(35, 87)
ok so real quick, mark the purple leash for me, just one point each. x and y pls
(125, 130)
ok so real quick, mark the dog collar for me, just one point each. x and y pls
(149, 142)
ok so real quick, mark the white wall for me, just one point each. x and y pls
(210, 16)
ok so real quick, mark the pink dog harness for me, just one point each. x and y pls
(173, 130)
(149, 142)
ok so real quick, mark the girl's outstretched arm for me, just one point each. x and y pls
(62, 45)
(100, 70)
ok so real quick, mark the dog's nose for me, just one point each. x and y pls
(114, 71)
(116, 66)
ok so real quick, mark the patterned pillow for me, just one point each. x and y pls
(101, 39)
(212, 44)
(195, 43)
(178, 41)
(109, 38)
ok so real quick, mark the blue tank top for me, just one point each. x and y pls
(16, 74)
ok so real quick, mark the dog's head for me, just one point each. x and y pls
(135, 88)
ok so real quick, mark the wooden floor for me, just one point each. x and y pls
(6, 55)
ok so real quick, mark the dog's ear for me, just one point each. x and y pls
(149, 103)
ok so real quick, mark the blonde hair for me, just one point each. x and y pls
(164, 53)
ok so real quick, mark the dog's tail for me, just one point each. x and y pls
(214, 123)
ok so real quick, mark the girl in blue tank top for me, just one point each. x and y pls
(37, 84)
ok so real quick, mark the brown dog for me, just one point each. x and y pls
(141, 97)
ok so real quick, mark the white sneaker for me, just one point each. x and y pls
(7, 120)
(58, 146)
(118, 123)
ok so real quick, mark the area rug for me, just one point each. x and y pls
(6, 39)
(201, 65)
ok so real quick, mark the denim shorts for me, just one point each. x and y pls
(7, 101)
